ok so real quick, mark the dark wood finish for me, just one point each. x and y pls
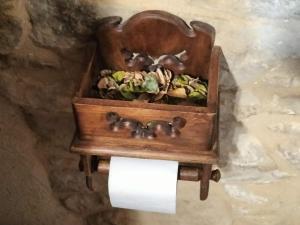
(194, 136)
(188, 173)
(215, 175)
(103, 166)
(133, 45)
(152, 34)
(107, 147)
(149, 130)
(86, 159)
(204, 183)
(213, 87)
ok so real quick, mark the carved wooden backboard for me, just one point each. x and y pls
(152, 37)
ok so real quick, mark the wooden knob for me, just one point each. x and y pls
(215, 175)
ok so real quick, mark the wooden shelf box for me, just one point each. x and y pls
(152, 34)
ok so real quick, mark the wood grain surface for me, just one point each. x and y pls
(132, 45)
(156, 34)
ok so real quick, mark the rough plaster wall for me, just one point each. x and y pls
(41, 60)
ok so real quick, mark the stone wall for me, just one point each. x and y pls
(42, 47)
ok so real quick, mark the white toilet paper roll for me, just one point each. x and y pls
(143, 184)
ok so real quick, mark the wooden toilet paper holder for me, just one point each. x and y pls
(107, 128)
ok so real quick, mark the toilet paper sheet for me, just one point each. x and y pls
(143, 184)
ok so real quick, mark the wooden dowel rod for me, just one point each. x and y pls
(188, 173)
(103, 166)
(185, 172)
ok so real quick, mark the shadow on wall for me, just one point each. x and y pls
(228, 122)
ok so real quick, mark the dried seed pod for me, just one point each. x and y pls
(155, 85)
(165, 79)
(103, 83)
(104, 73)
(161, 76)
(177, 93)
(184, 86)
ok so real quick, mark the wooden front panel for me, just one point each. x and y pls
(194, 136)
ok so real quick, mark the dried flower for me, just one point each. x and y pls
(152, 86)
(132, 84)
(184, 86)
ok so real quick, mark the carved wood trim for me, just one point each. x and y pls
(153, 35)
(148, 130)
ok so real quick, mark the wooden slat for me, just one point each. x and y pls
(135, 104)
(213, 84)
(112, 147)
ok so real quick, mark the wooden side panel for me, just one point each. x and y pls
(213, 82)
(86, 79)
